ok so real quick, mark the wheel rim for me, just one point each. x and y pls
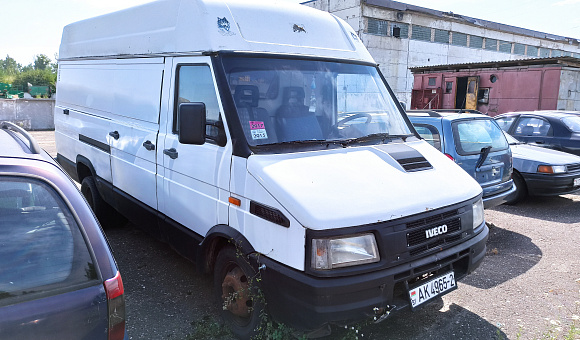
(235, 293)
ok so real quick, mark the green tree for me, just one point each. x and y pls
(9, 66)
(42, 62)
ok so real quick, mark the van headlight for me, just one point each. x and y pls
(477, 213)
(330, 253)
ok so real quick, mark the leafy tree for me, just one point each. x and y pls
(42, 62)
(9, 66)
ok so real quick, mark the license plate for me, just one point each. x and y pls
(432, 288)
(576, 181)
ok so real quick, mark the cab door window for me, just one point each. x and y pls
(195, 85)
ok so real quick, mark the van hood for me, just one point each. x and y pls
(363, 185)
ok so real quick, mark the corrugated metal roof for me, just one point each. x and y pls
(563, 61)
(399, 6)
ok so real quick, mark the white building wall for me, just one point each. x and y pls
(396, 55)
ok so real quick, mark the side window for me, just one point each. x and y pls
(42, 250)
(195, 85)
(430, 134)
(532, 126)
(505, 123)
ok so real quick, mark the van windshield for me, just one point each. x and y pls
(281, 101)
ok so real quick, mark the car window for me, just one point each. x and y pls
(533, 126)
(42, 250)
(572, 123)
(472, 135)
(430, 134)
(505, 123)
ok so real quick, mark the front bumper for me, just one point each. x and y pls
(550, 184)
(308, 303)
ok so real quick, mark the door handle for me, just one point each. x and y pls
(114, 134)
(540, 142)
(148, 145)
(172, 153)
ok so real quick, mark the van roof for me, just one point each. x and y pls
(177, 27)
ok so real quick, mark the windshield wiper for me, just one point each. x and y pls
(382, 136)
(303, 142)
(484, 152)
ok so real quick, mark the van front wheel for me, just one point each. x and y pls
(237, 291)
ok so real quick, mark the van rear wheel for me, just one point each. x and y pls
(237, 291)
(107, 215)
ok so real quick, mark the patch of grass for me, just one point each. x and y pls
(209, 329)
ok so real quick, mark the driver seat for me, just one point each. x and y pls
(294, 121)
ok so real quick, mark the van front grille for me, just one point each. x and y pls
(421, 236)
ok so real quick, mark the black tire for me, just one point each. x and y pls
(237, 293)
(521, 190)
(107, 215)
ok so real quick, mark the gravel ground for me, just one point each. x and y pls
(528, 286)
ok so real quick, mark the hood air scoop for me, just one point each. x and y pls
(409, 158)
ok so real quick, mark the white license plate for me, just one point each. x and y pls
(576, 181)
(432, 288)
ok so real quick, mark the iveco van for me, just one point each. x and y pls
(260, 140)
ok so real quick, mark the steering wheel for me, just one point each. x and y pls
(353, 117)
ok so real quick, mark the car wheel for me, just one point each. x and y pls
(521, 190)
(240, 299)
(107, 215)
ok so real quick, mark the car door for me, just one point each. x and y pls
(194, 179)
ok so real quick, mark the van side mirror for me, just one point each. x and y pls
(191, 123)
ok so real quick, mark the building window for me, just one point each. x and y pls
(448, 86)
(532, 51)
(566, 54)
(475, 41)
(556, 53)
(378, 27)
(483, 95)
(459, 39)
(441, 36)
(421, 33)
(505, 46)
(519, 49)
(400, 30)
(432, 81)
(490, 44)
(544, 52)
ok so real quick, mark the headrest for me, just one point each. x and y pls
(293, 95)
(248, 95)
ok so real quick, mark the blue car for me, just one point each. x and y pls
(58, 278)
(539, 171)
(558, 130)
(476, 143)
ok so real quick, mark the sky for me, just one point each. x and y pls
(32, 27)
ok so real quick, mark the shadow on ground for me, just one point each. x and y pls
(560, 209)
(508, 255)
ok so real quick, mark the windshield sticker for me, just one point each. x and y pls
(258, 130)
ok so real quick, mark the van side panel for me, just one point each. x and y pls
(125, 93)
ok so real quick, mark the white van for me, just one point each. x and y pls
(260, 140)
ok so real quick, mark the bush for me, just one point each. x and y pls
(35, 77)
